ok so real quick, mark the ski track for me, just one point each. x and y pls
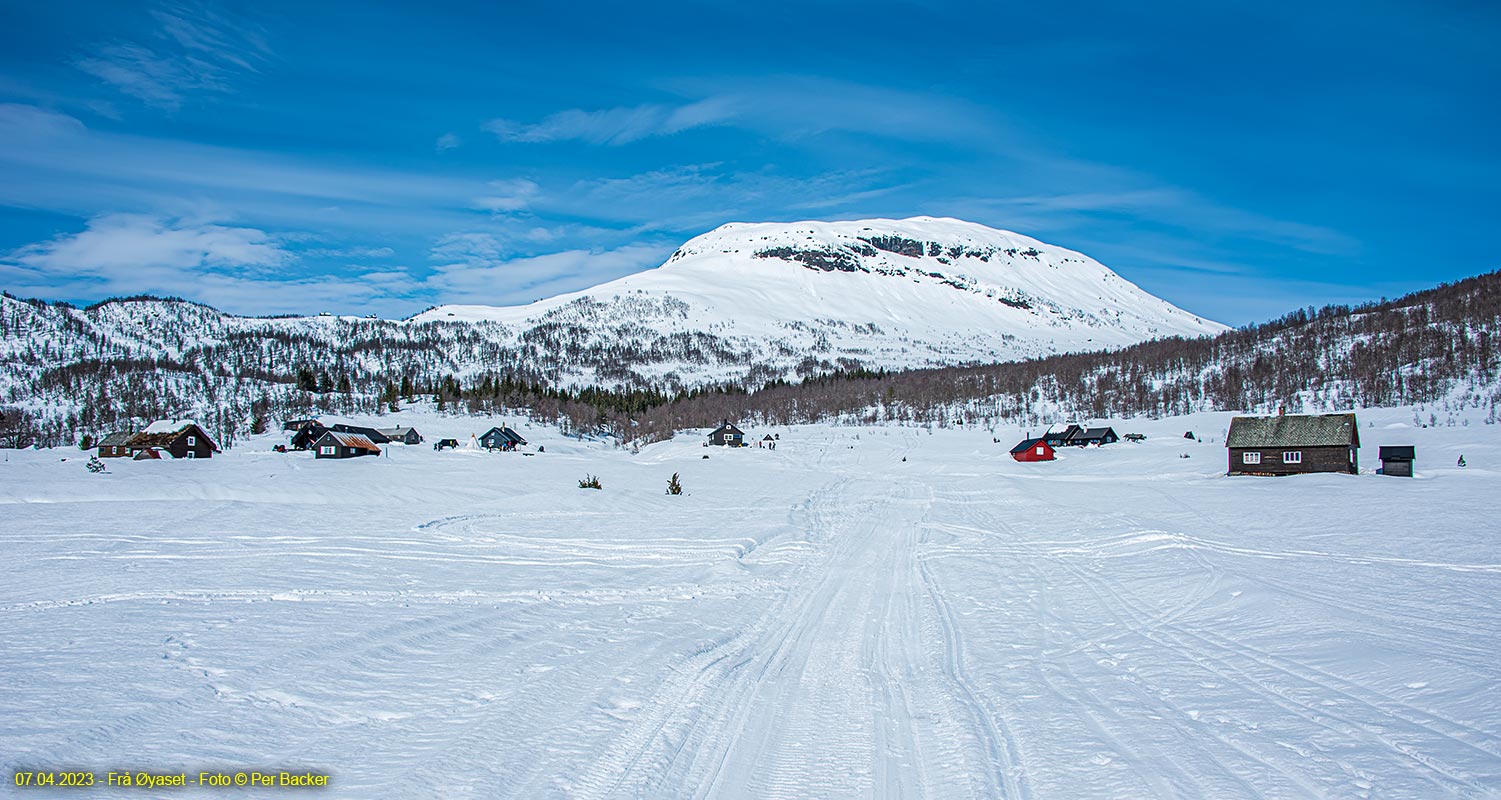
(880, 613)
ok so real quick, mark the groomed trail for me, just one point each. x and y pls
(862, 612)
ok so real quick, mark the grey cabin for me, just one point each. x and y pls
(338, 444)
(1294, 444)
(501, 437)
(403, 435)
(727, 435)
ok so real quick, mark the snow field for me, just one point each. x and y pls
(822, 620)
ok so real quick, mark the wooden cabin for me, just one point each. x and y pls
(401, 435)
(307, 436)
(116, 445)
(727, 435)
(1093, 436)
(1036, 449)
(1294, 444)
(338, 444)
(372, 434)
(501, 438)
(1398, 460)
(1060, 438)
(178, 438)
(298, 424)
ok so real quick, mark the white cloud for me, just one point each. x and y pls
(477, 270)
(615, 126)
(447, 141)
(115, 245)
(507, 195)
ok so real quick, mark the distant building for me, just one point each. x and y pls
(1095, 436)
(1292, 444)
(727, 435)
(338, 444)
(400, 434)
(1398, 460)
(178, 438)
(443, 444)
(369, 433)
(1060, 438)
(307, 436)
(297, 424)
(501, 437)
(116, 445)
(1036, 449)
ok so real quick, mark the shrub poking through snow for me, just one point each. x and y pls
(674, 486)
(590, 482)
(95, 465)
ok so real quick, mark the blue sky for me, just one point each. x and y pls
(1238, 159)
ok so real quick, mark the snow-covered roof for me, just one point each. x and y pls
(168, 425)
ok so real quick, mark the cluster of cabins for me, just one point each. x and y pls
(1285, 444)
(1044, 447)
(352, 441)
(164, 438)
(727, 435)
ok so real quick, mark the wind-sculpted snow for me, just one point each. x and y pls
(877, 611)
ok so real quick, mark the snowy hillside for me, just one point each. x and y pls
(862, 612)
(884, 293)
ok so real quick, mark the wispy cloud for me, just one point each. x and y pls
(507, 195)
(615, 126)
(193, 49)
(447, 141)
(474, 269)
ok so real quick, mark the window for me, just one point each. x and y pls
(190, 454)
(1250, 458)
(1041, 450)
(1292, 457)
(327, 450)
(192, 441)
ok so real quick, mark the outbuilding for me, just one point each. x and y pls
(1397, 460)
(372, 434)
(338, 444)
(116, 445)
(1036, 449)
(1093, 436)
(1293, 444)
(727, 435)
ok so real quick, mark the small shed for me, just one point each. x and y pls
(502, 438)
(1397, 460)
(727, 435)
(446, 444)
(1292, 444)
(116, 445)
(1035, 449)
(402, 434)
(338, 444)
(178, 438)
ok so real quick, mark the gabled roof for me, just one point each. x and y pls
(727, 428)
(504, 433)
(1028, 444)
(1091, 433)
(355, 440)
(1398, 453)
(163, 433)
(1294, 430)
(397, 432)
(767, 438)
(369, 433)
(117, 439)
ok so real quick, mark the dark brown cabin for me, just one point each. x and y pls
(116, 445)
(727, 435)
(338, 444)
(1294, 444)
(179, 438)
(1397, 461)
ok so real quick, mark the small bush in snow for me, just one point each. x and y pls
(590, 482)
(95, 465)
(674, 486)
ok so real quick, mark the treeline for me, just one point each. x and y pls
(90, 380)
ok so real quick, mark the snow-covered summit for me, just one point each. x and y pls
(890, 293)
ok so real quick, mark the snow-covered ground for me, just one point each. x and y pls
(860, 612)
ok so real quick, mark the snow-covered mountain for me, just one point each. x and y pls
(884, 293)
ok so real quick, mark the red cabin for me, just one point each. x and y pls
(1033, 450)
